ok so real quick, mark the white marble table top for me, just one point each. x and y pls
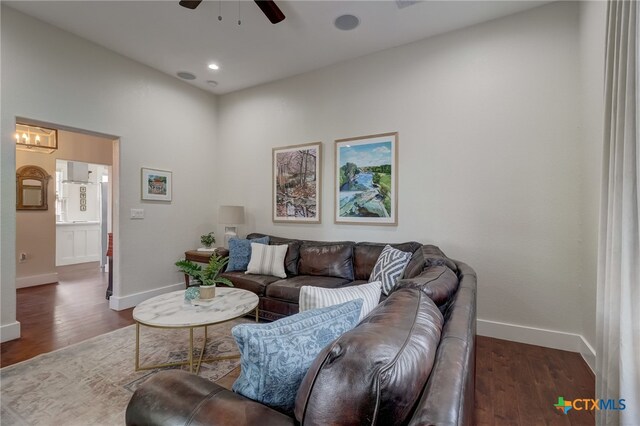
(171, 310)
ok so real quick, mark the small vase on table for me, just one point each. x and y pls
(207, 292)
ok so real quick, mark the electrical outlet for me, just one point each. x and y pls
(137, 213)
(22, 258)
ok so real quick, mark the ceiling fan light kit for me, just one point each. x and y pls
(268, 7)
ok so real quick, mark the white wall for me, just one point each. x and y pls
(53, 76)
(490, 158)
(592, 46)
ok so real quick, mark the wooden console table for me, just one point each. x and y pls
(202, 257)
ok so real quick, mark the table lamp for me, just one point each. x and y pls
(230, 216)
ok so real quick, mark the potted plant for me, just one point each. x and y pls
(207, 240)
(207, 277)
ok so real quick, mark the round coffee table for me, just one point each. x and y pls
(171, 311)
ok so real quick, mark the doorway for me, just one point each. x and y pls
(83, 214)
(71, 231)
(61, 262)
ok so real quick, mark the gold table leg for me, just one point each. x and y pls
(191, 349)
(137, 346)
(189, 361)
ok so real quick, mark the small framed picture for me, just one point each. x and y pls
(156, 185)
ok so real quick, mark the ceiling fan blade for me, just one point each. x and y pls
(190, 4)
(271, 10)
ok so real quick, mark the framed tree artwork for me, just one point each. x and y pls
(366, 180)
(296, 183)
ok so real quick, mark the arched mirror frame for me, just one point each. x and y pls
(31, 173)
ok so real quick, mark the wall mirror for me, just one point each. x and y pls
(31, 188)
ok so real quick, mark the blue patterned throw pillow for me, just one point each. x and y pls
(240, 252)
(389, 267)
(274, 357)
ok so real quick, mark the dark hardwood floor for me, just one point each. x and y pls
(516, 384)
(53, 316)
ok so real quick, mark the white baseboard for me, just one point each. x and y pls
(126, 302)
(588, 353)
(540, 337)
(34, 280)
(10, 331)
(77, 260)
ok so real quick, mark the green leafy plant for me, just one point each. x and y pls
(208, 239)
(210, 274)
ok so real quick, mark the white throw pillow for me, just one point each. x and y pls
(267, 260)
(312, 297)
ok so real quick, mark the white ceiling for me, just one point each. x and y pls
(170, 38)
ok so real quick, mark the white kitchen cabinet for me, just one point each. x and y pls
(77, 242)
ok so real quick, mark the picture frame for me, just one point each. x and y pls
(366, 180)
(297, 183)
(156, 184)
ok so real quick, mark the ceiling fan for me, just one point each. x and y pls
(268, 7)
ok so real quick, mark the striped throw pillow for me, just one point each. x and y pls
(267, 260)
(317, 297)
(389, 268)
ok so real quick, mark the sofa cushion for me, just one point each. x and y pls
(274, 309)
(274, 357)
(240, 252)
(254, 283)
(289, 289)
(267, 260)
(389, 267)
(365, 255)
(292, 257)
(377, 370)
(434, 256)
(437, 282)
(293, 252)
(312, 297)
(331, 260)
(415, 266)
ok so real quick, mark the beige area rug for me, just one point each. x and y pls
(90, 383)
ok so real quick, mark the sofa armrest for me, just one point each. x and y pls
(175, 397)
(438, 282)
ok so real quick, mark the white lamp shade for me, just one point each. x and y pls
(231, 215)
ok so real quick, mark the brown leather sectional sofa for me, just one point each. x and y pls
(410, 361)
(329, 264)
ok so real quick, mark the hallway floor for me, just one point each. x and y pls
(53, 316)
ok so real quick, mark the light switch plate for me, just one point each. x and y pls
(137, 213)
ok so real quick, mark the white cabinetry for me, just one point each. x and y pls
(77, 243)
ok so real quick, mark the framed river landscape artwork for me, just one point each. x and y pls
(366, 180)
(297, 183)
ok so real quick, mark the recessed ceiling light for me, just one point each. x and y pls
(214, 67)
(186, 75)
(212, 83)
(346, 22)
